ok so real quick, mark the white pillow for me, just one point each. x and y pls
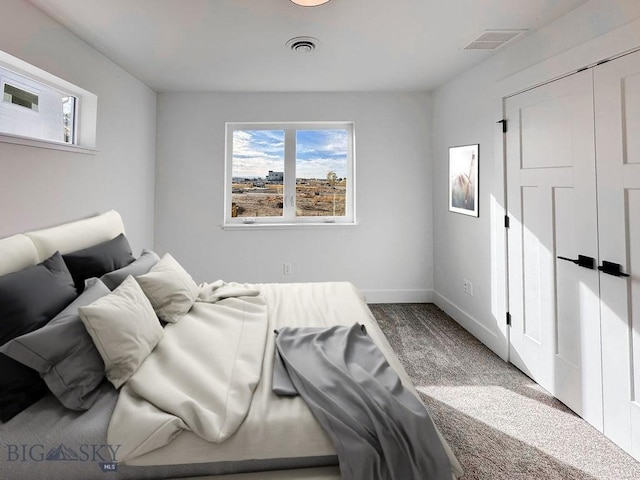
(124, 329)
(170, 289)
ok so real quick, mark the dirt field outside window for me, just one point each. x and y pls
(314, 198)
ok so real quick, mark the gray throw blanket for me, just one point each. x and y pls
(380, 430)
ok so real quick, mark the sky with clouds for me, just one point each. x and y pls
(318, 152)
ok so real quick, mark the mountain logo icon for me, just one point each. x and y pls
(62, 453)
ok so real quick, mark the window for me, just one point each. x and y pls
(17, 96)
(39, 109)
(69, 119)
(294, 173)
(32, 109)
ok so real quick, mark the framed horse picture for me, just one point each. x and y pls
(463, 179)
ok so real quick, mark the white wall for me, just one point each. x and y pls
(465, 110)
(388, 255)
(42, 187)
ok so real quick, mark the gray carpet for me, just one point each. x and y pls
(499, 423)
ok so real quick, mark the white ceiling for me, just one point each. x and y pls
(239, 45)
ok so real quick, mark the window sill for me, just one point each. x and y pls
(285, 226)
(50, 144)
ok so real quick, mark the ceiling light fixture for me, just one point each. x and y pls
(309, 3)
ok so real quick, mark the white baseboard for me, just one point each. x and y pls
(494, 340)
(398, 296)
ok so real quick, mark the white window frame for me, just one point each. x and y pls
(289, 219)
(86, 109)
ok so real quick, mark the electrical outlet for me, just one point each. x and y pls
(286, 269)
(467, 286)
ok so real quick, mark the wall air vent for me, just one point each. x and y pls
(492, 39)
(302, 44)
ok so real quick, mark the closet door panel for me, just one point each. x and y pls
(617, 113)
(534, 302)
(567, 278)
(551, 199)
(631, 119)
(633, 215)
(545, 143)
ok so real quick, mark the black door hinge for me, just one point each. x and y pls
(504, 125)
(508, 319)
(506, 221)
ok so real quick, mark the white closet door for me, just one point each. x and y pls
(617, 108)
(551, 200)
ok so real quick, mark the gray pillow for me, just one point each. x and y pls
(97, 260)
(141, 266)
(64, 354)
(29, 298)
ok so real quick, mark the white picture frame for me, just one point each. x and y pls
(464, 179)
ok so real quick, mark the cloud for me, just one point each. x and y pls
(318, 152)
(319, 167)
(255, 152)
(321, 144)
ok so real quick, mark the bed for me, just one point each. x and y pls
(126, 432)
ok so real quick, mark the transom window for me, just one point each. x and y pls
(35, 110)
(293, 173)
(42, 110)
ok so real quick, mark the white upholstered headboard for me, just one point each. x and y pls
(26, 249)
(17, 252)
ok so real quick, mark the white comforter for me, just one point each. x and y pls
(274, 427)
(200, 378)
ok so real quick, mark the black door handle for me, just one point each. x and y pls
(582, 261)
(612, 269)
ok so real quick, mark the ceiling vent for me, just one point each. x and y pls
(303, 44)
(492, 39)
